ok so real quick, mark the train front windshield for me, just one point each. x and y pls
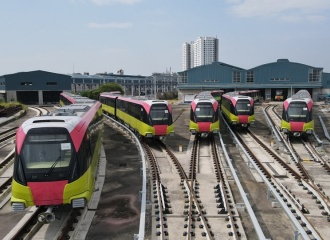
(204, 112)
(46, 156)
(297, 112)
(243, 107)
(160, 115)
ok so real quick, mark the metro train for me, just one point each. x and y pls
(216, 94)
(279, 95)
(238, 109)
(56, 158)
(204, 115)
(297, 115)
(255, 94)
(67, 98)
(147, 118)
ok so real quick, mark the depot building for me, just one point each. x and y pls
(280, 77)
(41, 87)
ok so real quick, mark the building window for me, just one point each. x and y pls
(210, 80)
(182, 79)
(250, 77)
(236, 77)
(314, 75)
(51, 83)
(280, 79)
(26, 83)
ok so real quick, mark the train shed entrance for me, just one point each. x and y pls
(27, 97)
(38, 97)
(51, 97)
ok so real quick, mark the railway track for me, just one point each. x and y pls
(309, 163)
(197, 216)
(309, 195)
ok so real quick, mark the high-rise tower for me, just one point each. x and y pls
(200, 52)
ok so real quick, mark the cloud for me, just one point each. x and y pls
(316, 18)
(284, 9)
(111, 2)
(110, 25)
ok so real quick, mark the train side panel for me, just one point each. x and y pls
(140, 115)
(142, 128)
(108, 109)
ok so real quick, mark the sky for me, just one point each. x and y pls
(142, 37)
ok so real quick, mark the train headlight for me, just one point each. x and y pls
(18, 207)
(215, 131)
(309, 131)
(193, 131)
(172, 134)
(234, 123)
(284, 130)
(149, 135)
(78, 203)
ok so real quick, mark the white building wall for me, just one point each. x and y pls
(186, 56)
(202, 51)
(11, 96)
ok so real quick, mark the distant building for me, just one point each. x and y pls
(203, 51)
(35, 87)
(134, 85)
(41, 87)
(280, 76)
(187, 56)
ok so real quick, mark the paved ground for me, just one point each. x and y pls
(118, 211)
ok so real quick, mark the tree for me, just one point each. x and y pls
(94, 94)
(111, 87)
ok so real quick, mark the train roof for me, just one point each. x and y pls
(217, 91)
(204, 97)
(205, 100)
(145, 103)
(67, 114)
(300, 96)
(75, 118)
(134, 99)
(235, 95)
(75, 98)
(112, 93)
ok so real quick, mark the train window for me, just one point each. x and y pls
(46, 150)
(297, 111)
(243, 107)
(204, 112)
(159, 114)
